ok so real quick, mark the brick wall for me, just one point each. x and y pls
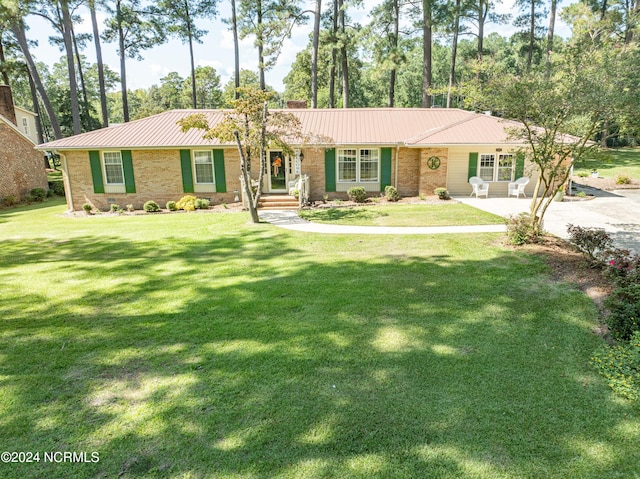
(408, 171)
(21, 167)
(432, 179)
(157, 174)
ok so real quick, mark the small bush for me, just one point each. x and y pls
(520, 229)
(623, 180)
(171, 206)
(56, 187)
(151, 207)
(10, 200)
(130, 208)
(442, 193)
(114, 208)
(391, 193)
(187, 203)
(37, 194)
(357, 194)
(594, 242)
(620, 365)
(87, 207)
(581, 194)
(202, 204)
(582, 174)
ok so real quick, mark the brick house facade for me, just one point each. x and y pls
(415, 150)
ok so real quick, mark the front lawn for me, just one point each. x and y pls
(201, 346)
(446, 214)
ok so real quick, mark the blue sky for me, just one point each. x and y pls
(216, 49)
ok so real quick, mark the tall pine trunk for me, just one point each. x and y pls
(123, 64)
(83, 87)
(550, 33)
(236, 48)
(260, 40)
(394, 40)
(454, 52)
(532, 34)
(426, 55)
(314, 54)
(17, 27)
(5, 75)
(343, 56)
(36, 107)
(73, 85)
(334, 58)
(194, 100)
(101, 82)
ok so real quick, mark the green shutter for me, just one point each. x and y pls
(473, 165)
(519, 165)
(187, 174)
(330, 170)
(127, 168)
(96, 171)
(385, 168)
(218, 168)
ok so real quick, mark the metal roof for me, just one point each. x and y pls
(352, 126)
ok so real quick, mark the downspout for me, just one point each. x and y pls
(66, 182)
(397, 159)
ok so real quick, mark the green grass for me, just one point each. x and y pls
(447, 214)
(201, 346)
(54, 175)
(613, 162)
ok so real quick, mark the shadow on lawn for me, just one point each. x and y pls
(245, 356)
(346, 213)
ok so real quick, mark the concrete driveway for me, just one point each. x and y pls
(618, 212)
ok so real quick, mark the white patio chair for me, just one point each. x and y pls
(480, 187)
(517, 187)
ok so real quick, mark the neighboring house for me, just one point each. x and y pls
(26, 122)
(21, 166)
(415, 150)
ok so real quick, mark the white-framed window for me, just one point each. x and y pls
(25, 126)
(500, 167)
(203, 167)
(486, 166)
(113, 172)
(358, 165)
(506, 167)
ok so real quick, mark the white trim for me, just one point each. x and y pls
(496, 165)
(108, 186)
(358, 181)
(17, 130)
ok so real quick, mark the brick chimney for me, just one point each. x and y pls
(296, 104)
(6, 104)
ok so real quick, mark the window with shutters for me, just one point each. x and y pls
(203, 167)
(113, 171)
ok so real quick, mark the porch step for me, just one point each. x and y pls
(278, 202)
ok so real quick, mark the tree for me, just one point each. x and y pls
(427, 34)
(570, 104)
(135, 29)
(254, 130)
(180, 16)
(314, 53)
(208, 89)
(271, 22)
(101, 79)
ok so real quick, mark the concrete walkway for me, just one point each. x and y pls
(617, 212)
(290, 220)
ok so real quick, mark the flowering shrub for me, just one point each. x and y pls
(187, 203)
(594, 242)
(620, 365)
(624, 302)
(520, 229)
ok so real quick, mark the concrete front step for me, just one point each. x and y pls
(278, 208)
(278, 202)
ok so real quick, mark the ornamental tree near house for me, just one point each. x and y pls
(559, 112)
(254, 129)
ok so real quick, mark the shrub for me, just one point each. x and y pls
(114, 208)
(56, 187)
(520, 229)
(594, 242)
(442, 193)
(130, 208)
(171, 206)
(37, 194)
(87, 207)
(582, 174)
(187, 203)
(151, 207)
(581, 194)
(620, 365)
(391, 193)
(357, 194)
(623, 180)
(201, 204)
(624, 302)
(10, 200)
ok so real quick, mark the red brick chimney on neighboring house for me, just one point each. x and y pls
(6, 104)
(296, 104)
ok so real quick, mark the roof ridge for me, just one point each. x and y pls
(432, 131)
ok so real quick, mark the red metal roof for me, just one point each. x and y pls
(352, 126)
